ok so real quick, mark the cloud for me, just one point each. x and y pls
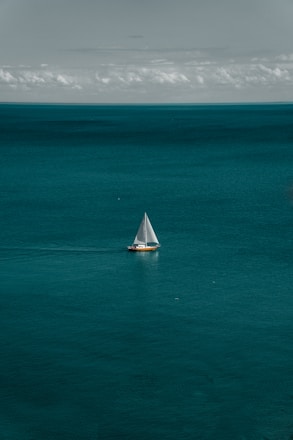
(102, 79)
(285, 57)
(275, 73)
(158, 79)
(36, 78)
(136, 37)
(161, 61)
(200, 79)
(169, 77)
(145, 76)
(30, 78)
(65, 80)
(6, 76)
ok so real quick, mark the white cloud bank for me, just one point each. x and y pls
(159, 80)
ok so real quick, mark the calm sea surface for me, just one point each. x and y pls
(191, 342)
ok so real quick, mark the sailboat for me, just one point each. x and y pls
(145, 239)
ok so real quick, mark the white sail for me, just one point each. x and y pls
(145, 233)
(151, 236)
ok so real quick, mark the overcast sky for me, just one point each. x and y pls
(108, 51)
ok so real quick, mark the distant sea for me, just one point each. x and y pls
(193, 342)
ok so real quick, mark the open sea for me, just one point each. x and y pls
(192, 342)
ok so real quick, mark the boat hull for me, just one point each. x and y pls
(142, 249)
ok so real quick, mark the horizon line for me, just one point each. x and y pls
(147, 103)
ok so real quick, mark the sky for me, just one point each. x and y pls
(146, 51)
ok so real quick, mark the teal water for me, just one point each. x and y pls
(191, 342)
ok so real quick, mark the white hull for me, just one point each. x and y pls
(143, 248)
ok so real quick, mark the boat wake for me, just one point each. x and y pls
(66, 249)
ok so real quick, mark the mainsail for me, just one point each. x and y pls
(145, 233)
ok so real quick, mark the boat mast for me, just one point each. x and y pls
(145, 229)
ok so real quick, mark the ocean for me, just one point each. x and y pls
(192, 342)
